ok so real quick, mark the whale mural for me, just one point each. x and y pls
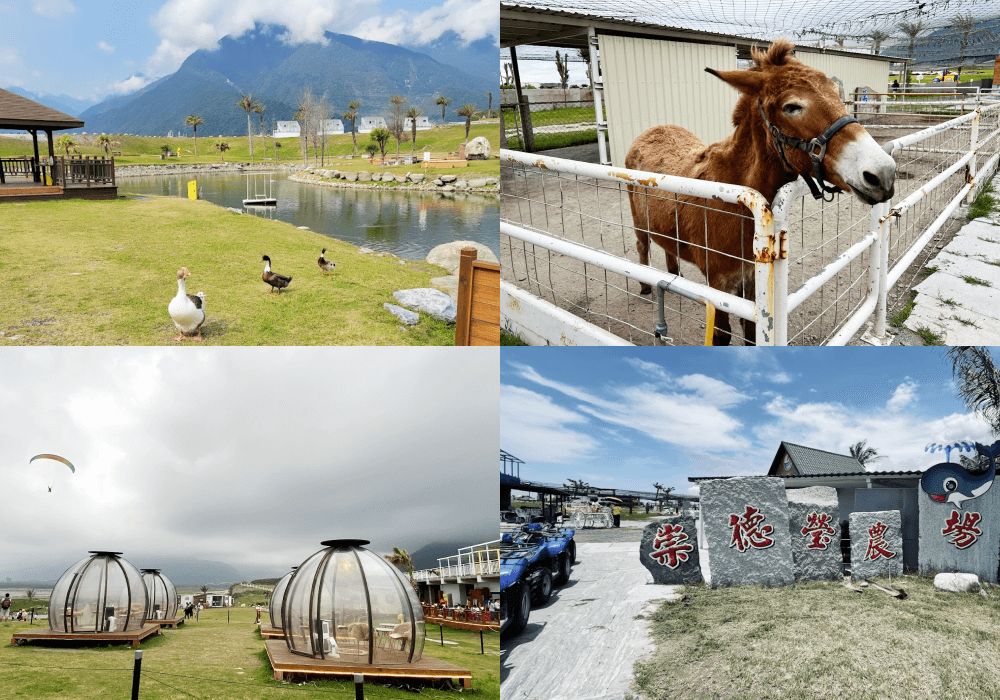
(952, 483)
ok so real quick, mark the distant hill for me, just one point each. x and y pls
(64, 103)
(209, 83)
(942, 47)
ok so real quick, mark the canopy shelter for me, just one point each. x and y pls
(17, 112)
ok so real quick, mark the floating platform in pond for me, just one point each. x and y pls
(260, 202)
(286, 664)
(132, 637)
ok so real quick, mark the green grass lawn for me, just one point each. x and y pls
(820, 640)
(102, 273)
(211, 659)
(139, 150)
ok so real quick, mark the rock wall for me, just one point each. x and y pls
(745, 522)
(669, 549)
(814, 526)
(876, 544)
(965, 539)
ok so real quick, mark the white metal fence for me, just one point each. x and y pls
(477, 560)
(821, 270)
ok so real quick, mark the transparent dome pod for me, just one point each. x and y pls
(277, 596)
(162, 595)
(348, 603)
(101, 593)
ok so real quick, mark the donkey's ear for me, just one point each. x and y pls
(743, 80)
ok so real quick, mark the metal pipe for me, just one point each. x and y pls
(910, 139)
(916, 196)
(879, 219)
(597, 87)
(724, 301)
(973, 146)
(855, 322)
(811, 285)
(735, 194)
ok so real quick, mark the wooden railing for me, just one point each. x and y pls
(478, 317)
(22, 166)
(86, 171)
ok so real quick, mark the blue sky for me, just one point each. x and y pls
(628, 418)
(85, 48)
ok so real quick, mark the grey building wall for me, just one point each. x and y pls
(938, 552)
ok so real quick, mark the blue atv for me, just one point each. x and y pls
(525, 579)
(560, 543)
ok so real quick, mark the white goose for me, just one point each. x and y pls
(187, 310)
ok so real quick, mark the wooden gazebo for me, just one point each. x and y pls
(89, 177)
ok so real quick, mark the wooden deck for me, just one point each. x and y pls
(268, 632)
(133, 638)
(22, 190)
(172, 624)
(286, 664)
(463, 625)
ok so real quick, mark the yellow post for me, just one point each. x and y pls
(48, 179)
(192, 189)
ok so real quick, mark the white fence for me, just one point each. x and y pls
(470, 562)
(568, 236)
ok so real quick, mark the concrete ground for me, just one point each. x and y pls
(584, 643)
(960, 301)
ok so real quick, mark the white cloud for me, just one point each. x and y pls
(899, 436)
(11, 66)
(716, 392)
(904, 395)
(104, 46)
(535, 429)
(649, 368)
(781, 378)
(473, 20)
(52, 8)
(130, 84)
(529, 373)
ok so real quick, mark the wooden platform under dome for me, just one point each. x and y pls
(133, 637)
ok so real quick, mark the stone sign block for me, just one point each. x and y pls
(876, 544)
(965, 539)
(745, 525)
(669, 549)
(814, 525)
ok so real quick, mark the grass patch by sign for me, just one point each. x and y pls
(78, 272)
(821, 640)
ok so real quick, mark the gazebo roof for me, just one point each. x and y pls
(17, 112)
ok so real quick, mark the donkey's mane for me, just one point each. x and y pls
(780, 54)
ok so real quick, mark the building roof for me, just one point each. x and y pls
(17, 112)
(524, 22)
(809, 461)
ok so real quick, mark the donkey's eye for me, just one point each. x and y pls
(792, 108)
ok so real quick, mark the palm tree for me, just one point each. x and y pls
(911, 30)
(397, 118)
(877, 37)
(204, 589)
(864, 454)
(468, 110)
(351, 115)
(65, 141)
(412, 113)
(371, 149)
(562, 65)
(444, 102)
(259, 108)
(30, 593)
(978, 382)
(489, 109)
(105, 143)
(966, 26)
(401, 558)
(381, 137)
(194, 121)
(222, 147)
(246, 103)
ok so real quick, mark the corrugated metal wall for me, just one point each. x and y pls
(853, 72)
(651, 81)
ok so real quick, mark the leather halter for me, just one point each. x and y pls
(816, 148)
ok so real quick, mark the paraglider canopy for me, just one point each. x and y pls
(57, 458)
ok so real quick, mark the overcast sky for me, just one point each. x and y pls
(246, 456)
(97, 47)
(628, 418)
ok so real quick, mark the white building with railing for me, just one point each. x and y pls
(472, 574)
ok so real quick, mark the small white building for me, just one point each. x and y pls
(330, 127)
(422, 123)
(284, 130)
(369, 123)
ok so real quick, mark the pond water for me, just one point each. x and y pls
(405, 224)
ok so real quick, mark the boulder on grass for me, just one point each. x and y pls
(477, 149)
(407, 317)
(957, 583)
(449, 255)
(429, 301)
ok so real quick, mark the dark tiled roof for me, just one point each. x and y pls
(812, 462)
(17, 112)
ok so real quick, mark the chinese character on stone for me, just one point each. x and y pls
(748, 532)
(818, 530)
(877, 546)
(963, 531)
(670, 547)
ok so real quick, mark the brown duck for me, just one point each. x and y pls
(276, 281)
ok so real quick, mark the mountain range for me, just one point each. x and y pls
(64, 103)
(345, 69)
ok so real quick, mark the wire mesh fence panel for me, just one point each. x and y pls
(598, 214)
(554, 124)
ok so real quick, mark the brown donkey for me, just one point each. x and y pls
(800, 104)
